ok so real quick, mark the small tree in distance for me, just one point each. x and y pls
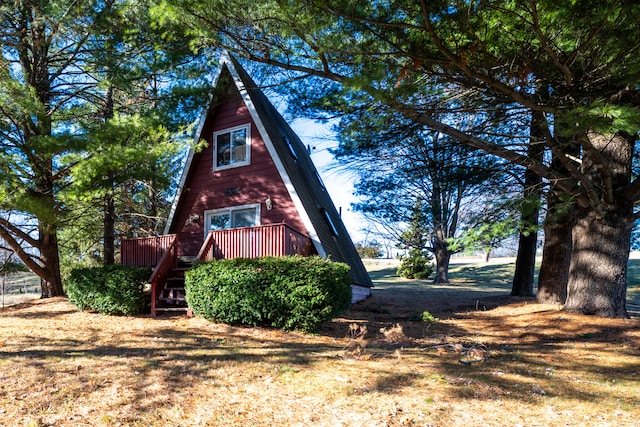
(416, 264)
(371, 249)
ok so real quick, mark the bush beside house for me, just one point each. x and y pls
(291, 293)
(112, 289)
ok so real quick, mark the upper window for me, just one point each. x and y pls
(233, 217)
(232, 147)
(292, 151)
(330, 223)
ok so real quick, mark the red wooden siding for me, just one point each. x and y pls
(207, 190)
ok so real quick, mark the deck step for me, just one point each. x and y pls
(172, 296)
(172, 309)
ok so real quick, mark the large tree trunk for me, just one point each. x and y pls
(556, 255)
(50, 280)
(556, 252)
(109, 220)
(528, 242)
(525, 265)
(443, 256)
(602, 229)
(598, 271)
(109, 229)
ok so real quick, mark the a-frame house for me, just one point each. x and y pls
(253, 191)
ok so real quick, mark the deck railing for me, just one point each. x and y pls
(145, 251)
(254, 242)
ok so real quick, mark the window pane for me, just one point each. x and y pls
(244, 217)
(220, 221)
(239, 144)
(223, 149)
(330, 222)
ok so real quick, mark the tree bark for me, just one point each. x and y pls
(50, 280)
(556, 255)
(528, 242)
(598, 271)
(443, 256)
(109, 220)
(602, 229)
(109, 229)
(525, 265)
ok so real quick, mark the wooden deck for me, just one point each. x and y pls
(161, 252)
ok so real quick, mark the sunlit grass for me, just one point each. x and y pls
(492, 278)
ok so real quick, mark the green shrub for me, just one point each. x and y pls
(425, 317)
(112, 289)
(369, 250)
(291, 293)
(415, 265)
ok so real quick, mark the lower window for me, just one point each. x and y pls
(232, 217)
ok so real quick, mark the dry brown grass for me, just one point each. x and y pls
(518, 364)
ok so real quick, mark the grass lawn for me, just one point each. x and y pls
(488, 360)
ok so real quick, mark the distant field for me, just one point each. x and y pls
(496, 275)
(19, 287)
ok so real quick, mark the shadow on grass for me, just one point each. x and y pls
(157, 360)
(535, 357)
(551, 356)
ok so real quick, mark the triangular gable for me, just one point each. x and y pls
(295, 167)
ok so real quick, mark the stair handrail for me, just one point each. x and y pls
(206, 253)
(160, 273)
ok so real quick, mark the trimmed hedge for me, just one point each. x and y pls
(112, 289)
(290, 293)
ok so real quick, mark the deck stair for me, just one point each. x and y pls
(172, 296)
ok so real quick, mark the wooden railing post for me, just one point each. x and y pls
(206, 252)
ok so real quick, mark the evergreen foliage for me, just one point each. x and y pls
(417, 263)
(88, 95)
(576, 64)
(291, 293)
(9, 267)
(111, 289)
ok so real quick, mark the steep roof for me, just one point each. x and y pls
(312, 200)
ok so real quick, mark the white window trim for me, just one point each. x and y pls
(248, 148)
(208, 214)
